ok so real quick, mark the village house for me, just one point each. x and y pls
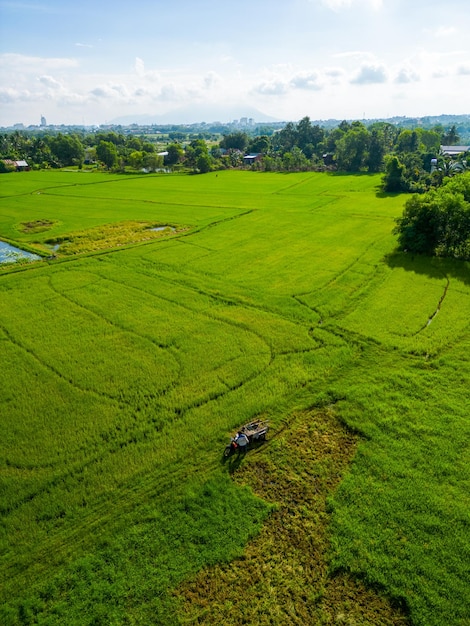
(19, 166)
(453, 151)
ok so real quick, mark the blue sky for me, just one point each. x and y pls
(92, 62)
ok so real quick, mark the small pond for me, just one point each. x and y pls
(10, 254)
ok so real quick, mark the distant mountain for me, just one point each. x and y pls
(195, 115)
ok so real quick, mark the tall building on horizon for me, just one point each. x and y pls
(43, 121)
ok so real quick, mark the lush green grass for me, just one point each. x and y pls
(124, 372)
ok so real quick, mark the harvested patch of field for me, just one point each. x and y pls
(112, 236)
(283, 576)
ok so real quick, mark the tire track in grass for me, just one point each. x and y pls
(354, 262)
(315, 310)
(44, 190)
(28, 350)
(136, 490)
(299, 183)
(118, 400)
(180, 411)
(210, 316)
(212, 397)
(47, 191)
(128, 330)
(232, 301)
(77, 468)
(226, 300)
(438, 308)
(71, 542)
(337, 276)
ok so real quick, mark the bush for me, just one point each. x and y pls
(438, 222)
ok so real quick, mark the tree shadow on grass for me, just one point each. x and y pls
(433, 267)
(380, 193)
(341, 174)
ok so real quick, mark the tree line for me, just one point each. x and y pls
(404, 155)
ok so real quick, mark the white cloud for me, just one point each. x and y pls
(9, 95)
(101, 92)
(113, 92)
(141, 93)
(406, 75)
(70, 99)
(50, 82)
(169, 93)
(334, 72)
(463, 70)
(306, 80)
(370, 74)
(271, 88)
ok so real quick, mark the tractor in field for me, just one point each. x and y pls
(247, 436)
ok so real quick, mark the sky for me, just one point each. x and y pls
(95, 62)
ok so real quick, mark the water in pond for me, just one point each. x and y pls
(10, 254)
(163, 228)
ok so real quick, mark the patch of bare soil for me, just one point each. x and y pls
(282, 578)
(37, 226)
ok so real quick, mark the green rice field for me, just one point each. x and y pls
(130, 356)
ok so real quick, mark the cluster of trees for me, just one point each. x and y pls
(403, 154)
(115, 151)
(409, 166)
(438, 221)
(74, 149)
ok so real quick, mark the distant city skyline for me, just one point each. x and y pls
(92, 63)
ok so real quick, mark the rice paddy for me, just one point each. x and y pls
(131, 356)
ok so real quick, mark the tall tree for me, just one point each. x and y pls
(394, 178)
(235, 141)
(407, 141)
(376, 153)
(204, 163)
(286, 138)
(67, 149)
(175, 154)
(259, 144)
(197, 149)
(351, 149)
(106, 152)
(451, 137)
